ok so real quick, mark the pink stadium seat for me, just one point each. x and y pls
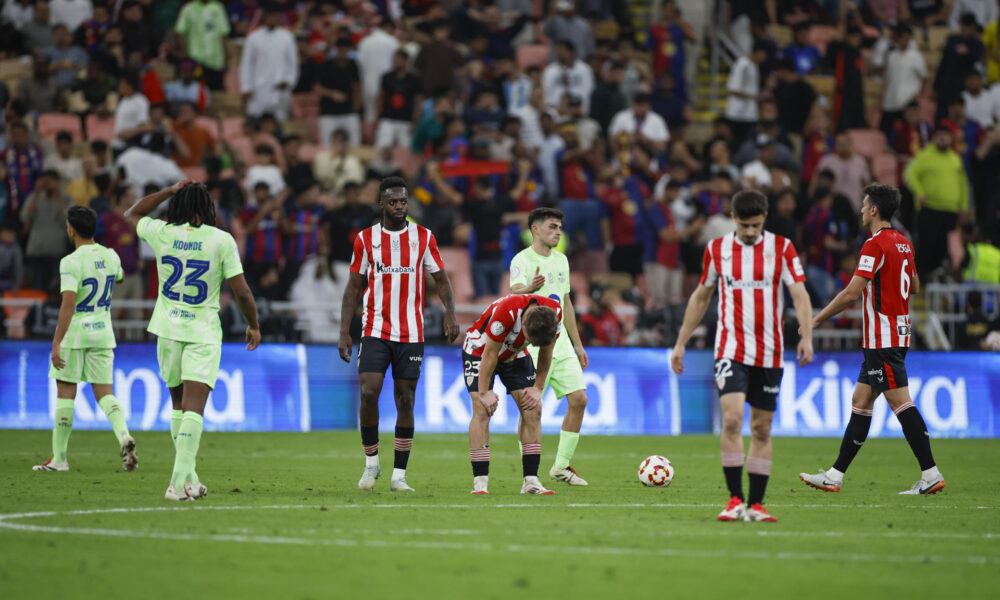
(821, 35)
(232, 127)
(869, 143)
(243, 147)
(49, 124)
(885, 169)
(308, 152)
(535, 54)
(100, 129)
(459, 268)
(304, 106)
(212, 125)
(195, 173)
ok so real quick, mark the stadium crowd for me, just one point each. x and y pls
(291, 112)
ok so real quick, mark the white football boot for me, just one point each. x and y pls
(130, 460)
(368, 477)
(479, 485)
(533, 486)
(734, 511)
(195, 490)
(821, 481)
(51, 465)
(179, 496)
(567, 475)
(399, 485)
(922, 487)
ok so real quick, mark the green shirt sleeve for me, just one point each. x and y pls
(222, 19)
(519, 274)
(148, 228)
(183, 20)
(231, 265)
(69, 275)
(912, 176)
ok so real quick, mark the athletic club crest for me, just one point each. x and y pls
(395, 243)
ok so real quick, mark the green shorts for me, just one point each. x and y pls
(188, 361)
(92, 365)
(565, 374)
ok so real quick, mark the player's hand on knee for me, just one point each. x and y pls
(489, 400)
(531, 399)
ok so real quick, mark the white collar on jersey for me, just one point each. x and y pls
(737, 239)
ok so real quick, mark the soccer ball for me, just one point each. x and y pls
(656, 471)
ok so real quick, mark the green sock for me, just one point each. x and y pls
(567, 447)
(62, 428)
(188, 439)
(114, 412)
(175, 424)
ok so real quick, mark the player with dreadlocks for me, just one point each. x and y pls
(192, 258)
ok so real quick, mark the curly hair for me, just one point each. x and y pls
(191, 205)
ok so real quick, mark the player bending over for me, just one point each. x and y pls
(749, 268)
(496, 345)
(883, 279)
(82, 348)
(543, 270)
(192, 259)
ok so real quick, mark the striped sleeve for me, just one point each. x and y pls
(791, 267)
(359, 262)
(432, 258)
(709, 275)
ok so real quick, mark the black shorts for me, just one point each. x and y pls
(760, 384)
(375, 355)
(884, 369)
(515, 375)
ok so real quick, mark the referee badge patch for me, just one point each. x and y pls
(496, 328)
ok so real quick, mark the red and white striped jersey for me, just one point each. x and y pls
(886, 261)
(501, 322)
(394, 263)
(751, 300)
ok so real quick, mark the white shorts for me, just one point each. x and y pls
(330, 123)
(393, 133)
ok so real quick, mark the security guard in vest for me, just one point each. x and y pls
(982, 259)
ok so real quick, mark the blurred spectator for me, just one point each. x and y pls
(44, 218)
(320, 322)
(383, 166)
(88, 33)
(298, 174)
(966, 134)
(645, 127)
(18, 12)
(99, 149)
(804, 56)
(432, 126)
(265, 171)
(850, 170)
(84, 187)
(376, 57)
(338, 85)
(986, 183)
(757, 173)
(40, 92)
(720, 161)
(576, 190)
(973, 331)
(11, 259)
(844, 59)
(980, 104)
(983, 12)
(784, 156)
(794, 96)
(962, 54)
(781, 220)
(398, 101)
(139, 35)
(608, 99)
(65, 59)
(101, 201)
(144, 167)
(564, 25)
(437, 61)
(824, 241)
(264, 254)
(514, 85)
(343, 224)
(905, 72)
(37, 32)
(204, 25)
(186, 88)
(661, 249)
(111, 51)
(530, 115)
(89, 92)
(442, 196)
(489, 210)
(624, 198)
(62, 160)
(336, 166)
(587, 129)
(10, 201)
(231, 196)
(981, 262)
(909, 134)
(600, 324)
(929, 12)
(301, 229)
(269, 67)
(159, 123)
(744, 92)
(196, 139)
(568, 75)
(23, 159)
(666, 41)
(132, 113)
(119, 235)
(666, 101)
(715, 226)
(938, 181)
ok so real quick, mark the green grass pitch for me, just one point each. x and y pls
(284, 519)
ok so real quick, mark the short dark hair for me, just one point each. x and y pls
(103, 182)
(389, 183)
(541, 214)
(99, 147)
(64, 136)
(132, 79)
(83, 220)
(748, 204)
(828, 174)
(567, 44)
(541, 326)
(883, 197)
(263, 149)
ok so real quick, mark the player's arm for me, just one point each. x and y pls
(447, 296)
(569, 323)
(352, 295)
(537, 281)
(248, 308)
(693, 315)
(66, 310)
(144, 207)
(803, 312)
(487, 365)
(842, 301)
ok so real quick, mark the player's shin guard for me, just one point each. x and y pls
(758, 470)
(531, 455)
(176, 416)
(916, 434)
(732, 468)
(188, 440)
(113, 411)
(63, 427)
(402, 444)
(567, 447)
(480, 458)
(854, 437)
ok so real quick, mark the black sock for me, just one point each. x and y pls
(480, 461)
(758, 485)
(369, 439)
(854, 436)
(403, 443)
(734, 480)
(530, 462)
(916, 434)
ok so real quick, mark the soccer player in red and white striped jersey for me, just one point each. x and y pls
(388, 266)
(884, 279)
(749, 268)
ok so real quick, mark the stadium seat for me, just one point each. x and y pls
(195, 173)
(212, 125)
(100, 129)
(869, 143)
(232, 127)
(18, 314)
(49, 124)
(304, 106)
(308, 152)
(823, 85)
(534, 54)
(459, 268)
(821, 35)
(885, 169)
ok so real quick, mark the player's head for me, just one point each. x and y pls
(879, 205)
(81, 223)
(540, 325)
(392, 198)
(749, 212)
(546, 225)
(192, 205)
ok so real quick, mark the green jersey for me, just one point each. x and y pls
(191, 263)
(91, 271)
(555, 268)
(205, 25)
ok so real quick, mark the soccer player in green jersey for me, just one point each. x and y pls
(82, 349)
(193, 258)
(543, 270)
